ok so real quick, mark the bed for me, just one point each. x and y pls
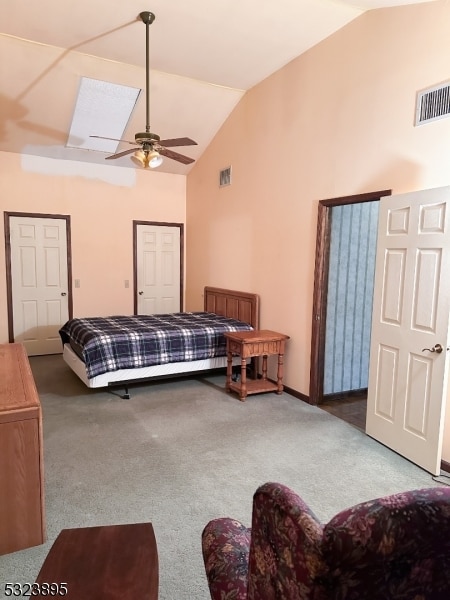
(120, 350)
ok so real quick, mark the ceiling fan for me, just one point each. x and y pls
(149, 149)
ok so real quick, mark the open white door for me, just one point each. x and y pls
(410, 326)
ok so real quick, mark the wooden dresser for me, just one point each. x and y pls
(22, 511)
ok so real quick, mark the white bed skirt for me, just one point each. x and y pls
(78, 367)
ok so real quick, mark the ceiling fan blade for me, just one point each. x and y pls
(100, 137)
(124, 153)
(185, 141)
(186, 160)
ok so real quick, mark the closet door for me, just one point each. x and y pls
(38, 281)
(158, 268)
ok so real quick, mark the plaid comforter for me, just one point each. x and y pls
(121, 342)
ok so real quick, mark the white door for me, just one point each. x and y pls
(158, 269)
(39, 282)
(408, 372)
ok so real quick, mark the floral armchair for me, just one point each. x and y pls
(396, 547)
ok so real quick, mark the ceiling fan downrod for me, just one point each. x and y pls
(147, 18)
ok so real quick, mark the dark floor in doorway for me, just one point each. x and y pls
(349, 409)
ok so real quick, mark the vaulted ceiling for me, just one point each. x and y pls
(204, 55)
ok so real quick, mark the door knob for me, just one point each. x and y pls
(437, 348)
(140, 293)
(63, 294)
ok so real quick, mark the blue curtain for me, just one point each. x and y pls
(350, 294)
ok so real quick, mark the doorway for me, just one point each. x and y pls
(318, 392)
(38, 279)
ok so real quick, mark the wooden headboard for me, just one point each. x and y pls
(236, 305)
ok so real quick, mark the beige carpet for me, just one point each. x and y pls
(181, 452)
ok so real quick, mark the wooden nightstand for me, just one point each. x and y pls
(248, 344)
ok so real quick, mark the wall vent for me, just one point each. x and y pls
(433, 103)
(225, 177)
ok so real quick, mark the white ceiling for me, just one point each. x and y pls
(204, 55)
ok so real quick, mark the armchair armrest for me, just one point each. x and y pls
(225, 547)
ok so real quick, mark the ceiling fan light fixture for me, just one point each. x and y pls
(147, 158)
(154, 159)
(139, 158)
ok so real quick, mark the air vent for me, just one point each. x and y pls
(433, 103)
(225, 177)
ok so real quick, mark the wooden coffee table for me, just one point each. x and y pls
(251, 344)
(102, 563)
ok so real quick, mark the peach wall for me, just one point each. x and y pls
(102, 202)
(336, 121)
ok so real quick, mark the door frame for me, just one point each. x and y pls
(135, 257)
(319, 310)
(9, 297)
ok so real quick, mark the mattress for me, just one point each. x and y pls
(121, 343)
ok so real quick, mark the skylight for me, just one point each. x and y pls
(102, 108)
